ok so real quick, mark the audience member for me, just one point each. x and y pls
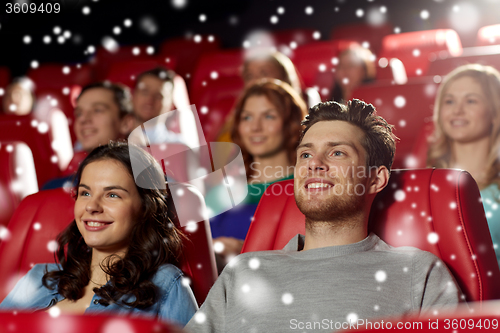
(116, 256)
(103, 112)
(356, 66)
(19, 97)
(331, 272)
(265, 64)
(261, 64)
(153, 96)
(267, 129)
(467, 133)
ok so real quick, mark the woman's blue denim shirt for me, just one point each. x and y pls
(176, 302)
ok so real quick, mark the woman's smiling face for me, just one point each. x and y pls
(107, 207)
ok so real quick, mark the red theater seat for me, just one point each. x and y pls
(216, 103)
(227, 63)
(48, 139)
(484, 55)
(187, 51)
(59, 76)
(488, 35)
(42, 322)
(17, 177)
(314, 62)
(126, 71)
(287, 37)
(405, 106)
(414, 48)
(362, 32)
(103, 59)
(415, 204)
(52, 210)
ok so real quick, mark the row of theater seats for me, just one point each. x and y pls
(403, 95)
(434, 210)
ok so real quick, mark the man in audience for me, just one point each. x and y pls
(103, 112)
(152, 97)
(338, 272)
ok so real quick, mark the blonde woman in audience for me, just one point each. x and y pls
(467, 133)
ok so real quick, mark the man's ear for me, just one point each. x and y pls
(378, 179)
(127, 124)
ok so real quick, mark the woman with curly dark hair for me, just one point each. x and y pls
(117, 255)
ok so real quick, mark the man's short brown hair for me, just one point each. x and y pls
(379, 141)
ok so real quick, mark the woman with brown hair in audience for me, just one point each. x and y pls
(262, 63)
(117, 255)
(467, 133)
(267, 128)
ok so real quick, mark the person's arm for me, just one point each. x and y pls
(26, 290)
(211, 317)
(178, 303)
(434, 287)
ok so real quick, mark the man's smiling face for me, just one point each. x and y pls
(331, 178)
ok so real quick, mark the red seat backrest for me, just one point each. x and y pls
(415, 204)
(216, 103)
(227, 63)
(362, 32)
(488, 35)
(484, 55)
(187, 52)
(126, 71)
(313, 60)
(406, 107)
(39, 137)
(298, 36)
(73, 165)
(17, 177)
(41, 216)
(59, 76)
(414, 48)
(42, 322)
(103, 58)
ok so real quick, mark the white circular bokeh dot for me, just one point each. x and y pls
(399, 195)
(352, 317)
(424, 14)
(52, 246)
(432, 238)
(254, 263)
(399, 101)
(380, 276)
(287, 298)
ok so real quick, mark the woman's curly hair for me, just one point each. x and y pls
(154, 239)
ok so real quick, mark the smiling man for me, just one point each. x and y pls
(338, 272)
(103, 112)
